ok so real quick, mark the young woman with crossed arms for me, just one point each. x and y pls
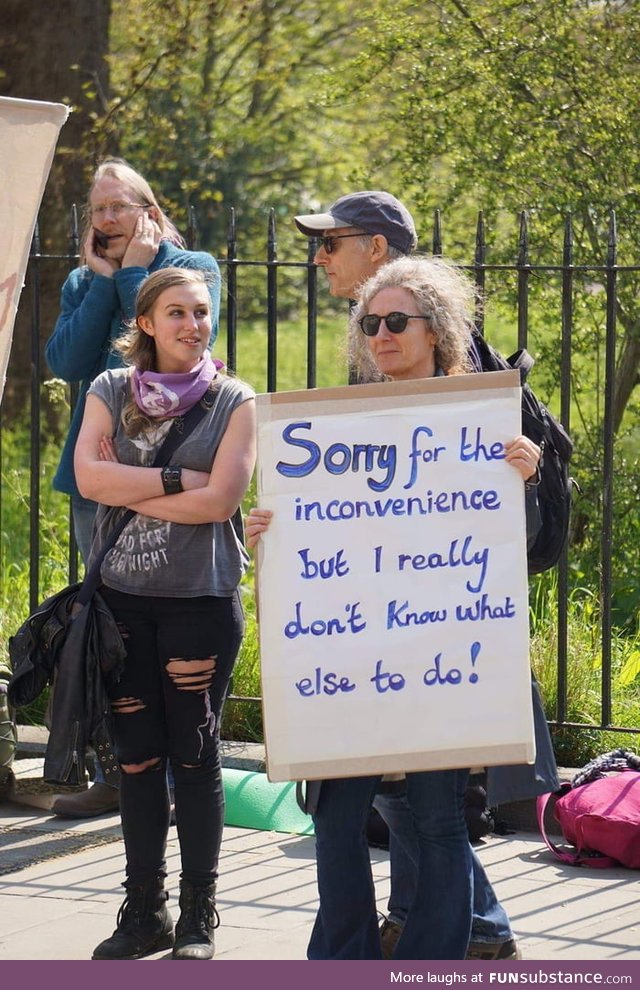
(172, 582)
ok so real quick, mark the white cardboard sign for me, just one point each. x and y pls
(28, 134)
(392, 582)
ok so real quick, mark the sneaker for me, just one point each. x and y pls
(494, 950)
(390, 932)
(99, 799)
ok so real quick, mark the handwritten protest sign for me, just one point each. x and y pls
(392, 582)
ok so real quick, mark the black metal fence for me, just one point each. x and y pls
(605, 272)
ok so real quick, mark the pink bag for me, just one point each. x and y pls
(601, 818)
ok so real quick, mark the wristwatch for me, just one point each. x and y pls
(172, 479)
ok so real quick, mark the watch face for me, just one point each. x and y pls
(172, 480)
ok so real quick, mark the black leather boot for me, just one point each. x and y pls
(143, 925)
(197, 922)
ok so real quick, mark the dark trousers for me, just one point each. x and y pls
(439, 919)
(167, 707)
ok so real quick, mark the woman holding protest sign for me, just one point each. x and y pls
(413, 321)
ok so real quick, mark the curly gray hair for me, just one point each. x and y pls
(442, 293)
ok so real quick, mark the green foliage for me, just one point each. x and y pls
(574, 747)
(292, 363)
(630, 669)
(533, 104)
(510, 106)
(505, 105)
(53, 547)
(242, 719)
(215, 101)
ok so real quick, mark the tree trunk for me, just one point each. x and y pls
(627, 373)
(53, 50)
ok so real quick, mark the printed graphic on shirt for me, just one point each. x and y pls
(142, 547)
(148, 440)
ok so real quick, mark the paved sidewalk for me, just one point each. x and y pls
(63, 904)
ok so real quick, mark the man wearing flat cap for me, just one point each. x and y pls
(359, 233)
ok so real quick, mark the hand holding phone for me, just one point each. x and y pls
(101, 240)
(95, 245)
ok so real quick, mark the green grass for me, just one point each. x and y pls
(291, 354)
(53, 546)
(584, 673)
(14, 536)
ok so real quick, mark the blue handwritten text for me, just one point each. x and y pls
(399, 616)
(385, 681)
(482, 609)
(477, 449)
(325, 627)
(339, 458)
(428, 455)
(325, 568)
(453, 557)
(329, 683)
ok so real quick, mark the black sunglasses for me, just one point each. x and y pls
(327, 242)
(396, 322)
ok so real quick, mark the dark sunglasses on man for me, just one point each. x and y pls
(396, 322)
(327, 242)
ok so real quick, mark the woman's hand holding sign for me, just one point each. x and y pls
(524, 455)
(256, 523)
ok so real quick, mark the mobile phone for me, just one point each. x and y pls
(101, 240)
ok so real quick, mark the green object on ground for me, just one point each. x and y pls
(252, 801)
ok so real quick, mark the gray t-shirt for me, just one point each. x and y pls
(168, 559)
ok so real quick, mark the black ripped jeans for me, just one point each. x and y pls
(167, 706)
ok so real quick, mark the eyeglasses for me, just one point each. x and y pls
(98, 212)
(327, 242)
(396, 322)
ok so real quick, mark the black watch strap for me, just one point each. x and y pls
(172, 479)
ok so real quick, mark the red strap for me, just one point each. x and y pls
(597, 860)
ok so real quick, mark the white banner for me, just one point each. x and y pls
(28, 135)
(392, 583)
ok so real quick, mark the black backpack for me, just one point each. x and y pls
(477, 815)
(554, 490)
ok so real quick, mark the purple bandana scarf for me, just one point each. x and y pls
(164, 396)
